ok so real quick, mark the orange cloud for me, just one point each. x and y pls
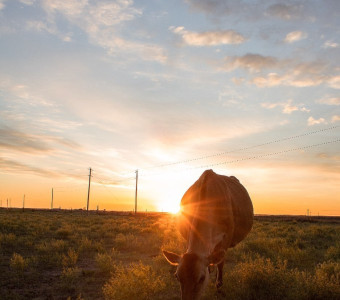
(295, 36)
(208, 38)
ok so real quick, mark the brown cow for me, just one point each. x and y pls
(216, 214)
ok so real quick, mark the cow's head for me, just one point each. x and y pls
(192, 271)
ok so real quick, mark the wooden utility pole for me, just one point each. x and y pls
(52, 200)
(88, 191)
(23, 203)
(136, 191)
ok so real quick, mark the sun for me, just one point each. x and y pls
(169, 206)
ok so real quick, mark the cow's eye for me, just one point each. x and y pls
(176, 275)
(202, 279)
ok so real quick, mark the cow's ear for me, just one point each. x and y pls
(216, 257)
(172, 258)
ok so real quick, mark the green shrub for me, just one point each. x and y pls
(138, 281)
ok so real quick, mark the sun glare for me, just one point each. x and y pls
(169, 206)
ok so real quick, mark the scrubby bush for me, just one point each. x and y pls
(64, 233)
(70, 259)
(262, 279)
(138, 281)
(105, 262)
(280, 258)
(333, 252)
(18, 263)
(69, 277)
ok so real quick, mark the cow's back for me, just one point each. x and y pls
(223, 201)
(243, 213)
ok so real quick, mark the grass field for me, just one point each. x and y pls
(74, 255)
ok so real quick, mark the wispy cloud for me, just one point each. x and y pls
(287, 72)
(208, 38)
(7, 165)
(330, 44)
(51, 28)
(103, 23)
(329, 100)
(250, 62)
(19, 141)
(304, 74)
(334, 82)
(2, 4)
(295, 36)
(287, 107)
(335, 119)
(284, 11)
(24, 93)
(28, 2)
(215, 7)
(312, 121)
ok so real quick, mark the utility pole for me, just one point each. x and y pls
(88, 191)
(23, 203)
(136, 191)
(52, 200)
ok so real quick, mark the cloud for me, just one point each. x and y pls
(209, 38)
(50, 28)
(250, 62)
(334, 82)
(18, 91)
(108, 14)
(12, 166)
(2, 4)
(330, 101)
(304, 74)
(115, 45)
(103, 23)
(16, 140)
(312, 121)
(287, 107)
(29, 143)
(295, 36)
(215, 7)
(330, 44)
(335, 119)
(28, 2)
(69, 8)
(326, 155)
(284, 11)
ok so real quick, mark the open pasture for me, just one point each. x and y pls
(74, 255)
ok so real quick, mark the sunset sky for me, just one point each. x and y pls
(246, 88)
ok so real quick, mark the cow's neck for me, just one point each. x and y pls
(203, 237)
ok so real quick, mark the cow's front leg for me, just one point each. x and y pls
(219, 274)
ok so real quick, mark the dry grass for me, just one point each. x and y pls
(72, 255)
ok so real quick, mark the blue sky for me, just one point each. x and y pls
(125, 85)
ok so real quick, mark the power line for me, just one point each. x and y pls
(267, 154)
(241, 149)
